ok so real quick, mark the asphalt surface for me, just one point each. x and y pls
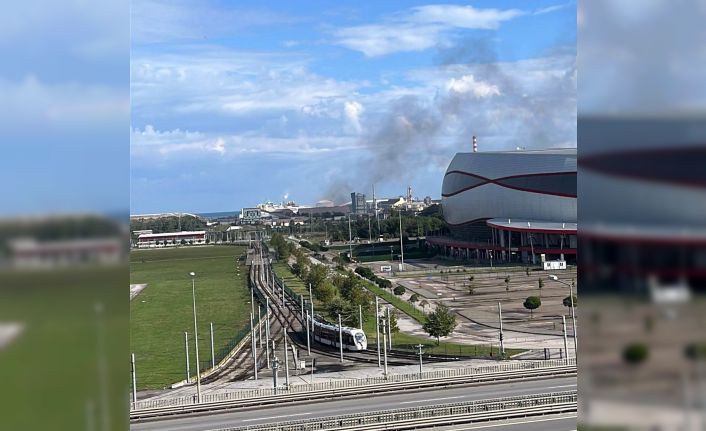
(318, 409)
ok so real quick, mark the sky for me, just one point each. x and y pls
(235, 103)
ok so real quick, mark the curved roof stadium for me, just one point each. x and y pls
(529, 190)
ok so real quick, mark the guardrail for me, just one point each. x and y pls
(464, 412)
(503, 371)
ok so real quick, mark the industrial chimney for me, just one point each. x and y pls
(475, 144)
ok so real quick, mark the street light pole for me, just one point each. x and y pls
(253, 343)
(420, 359)
(196, 338)
(566, 345)
(573, 315)
(134, 381)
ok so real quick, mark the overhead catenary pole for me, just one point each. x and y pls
(566, 345)
(419, 346)
(275, 368)
(286, 360)
(267, 330)
(259, 326)
(253, 343)
(311, 300)
(377, 327)
(186, 345)
(301, 307)
(213, 355)
(384, 340)
(196, 340)
(500, 322)
(389, 328)
(134, 380)
(308, 343)
(340, 337)
(360, 316)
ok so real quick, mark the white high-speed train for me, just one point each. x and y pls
(353, 338)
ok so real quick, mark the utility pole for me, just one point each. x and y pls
(377, 327)
(134, 381)
(340, 337)
(252, 301)
(213, 355)
(308, 345)
(186, 345)
(566, 344)
(500, 321)
(370, 231)
(419, 346)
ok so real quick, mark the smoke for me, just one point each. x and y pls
(530, 104)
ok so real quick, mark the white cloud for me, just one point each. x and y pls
(419, 28)
(468, 85)
(463, 16)
(353, 110)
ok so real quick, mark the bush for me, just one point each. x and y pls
(636, 353)
(532, 303)
(567, 301)
(414, 298)
(399, 290)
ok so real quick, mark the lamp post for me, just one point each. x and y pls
(573, 315)
(196, 338)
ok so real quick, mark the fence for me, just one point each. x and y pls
(445, 412)
(353, 383)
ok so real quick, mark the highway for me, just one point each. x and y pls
(319, 409)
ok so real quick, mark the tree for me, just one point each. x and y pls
(507, 284)
(636, 353)
(567, 301)
(414, 298)
(440, 323)
(540, 285)
(527, 271)
(532, 303)
(424, 304)
(399, 290)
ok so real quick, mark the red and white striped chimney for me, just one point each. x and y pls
(475, 144)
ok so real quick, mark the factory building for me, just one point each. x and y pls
(517, 206)
(358, 203)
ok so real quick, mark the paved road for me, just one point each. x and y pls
(548, 423)
(349, 406)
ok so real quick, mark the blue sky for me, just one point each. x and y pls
(234, 103)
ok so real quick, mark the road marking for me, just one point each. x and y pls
(518, 423)
(494, 392)
(275, 417)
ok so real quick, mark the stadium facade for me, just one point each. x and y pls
(516, 206)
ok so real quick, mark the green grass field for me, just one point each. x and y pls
(51, 369)
(399, 340)
(162, 312)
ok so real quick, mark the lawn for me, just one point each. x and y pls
(72, 319)
(162, 312)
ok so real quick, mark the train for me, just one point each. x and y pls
(353, 338)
